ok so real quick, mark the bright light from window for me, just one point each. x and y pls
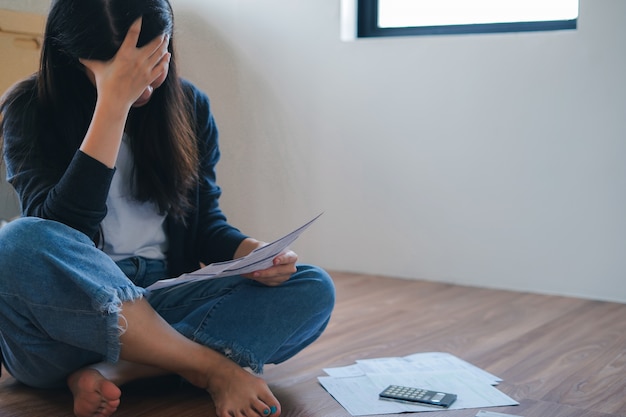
(416, 13)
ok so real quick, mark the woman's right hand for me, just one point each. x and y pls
(120, 82)
(124, 78)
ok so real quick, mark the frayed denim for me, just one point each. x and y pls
(60, 299)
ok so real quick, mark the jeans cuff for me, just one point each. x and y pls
(109, 302)
(232, 350)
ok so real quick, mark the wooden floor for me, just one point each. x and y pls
(559, 357)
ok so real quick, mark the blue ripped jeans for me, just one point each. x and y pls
(60, 298)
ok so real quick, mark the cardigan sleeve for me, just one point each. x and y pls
(73, 194)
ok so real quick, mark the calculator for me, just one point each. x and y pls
(418, 396)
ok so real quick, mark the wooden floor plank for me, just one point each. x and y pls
(559, 356)
(601, 346)
(545, 361)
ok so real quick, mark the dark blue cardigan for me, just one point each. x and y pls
(76, 195)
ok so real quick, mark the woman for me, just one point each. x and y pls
(113, 157)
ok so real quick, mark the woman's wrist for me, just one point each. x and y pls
(105, 132)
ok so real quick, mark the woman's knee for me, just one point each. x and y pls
(27, 244)
(32, 235)
(318, 286)
(26, 234)
(17, 241)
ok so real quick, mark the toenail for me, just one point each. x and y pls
(273, 409)
(266, 411)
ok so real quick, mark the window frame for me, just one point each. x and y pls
(367, 25)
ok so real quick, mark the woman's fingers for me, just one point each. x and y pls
(132, 36)
(132, 71)
(150, 56)
(285, 258)
(159, 59)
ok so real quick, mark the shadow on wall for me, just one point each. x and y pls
(258, 135)
(205, 57)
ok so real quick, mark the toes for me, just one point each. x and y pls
(267, 410)
(94, 395)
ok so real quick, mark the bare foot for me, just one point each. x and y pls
(94, 395)
(238, 393)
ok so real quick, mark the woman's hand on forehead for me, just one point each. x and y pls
(125, 77)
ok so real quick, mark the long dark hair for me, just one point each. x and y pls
(161, 133)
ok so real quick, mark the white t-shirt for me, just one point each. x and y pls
(131, 228)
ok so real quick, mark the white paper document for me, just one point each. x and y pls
(356, 387)
(260, 258)
(425, 362)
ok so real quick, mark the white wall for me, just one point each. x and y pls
(488, 160)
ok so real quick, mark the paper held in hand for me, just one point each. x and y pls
(260, 258)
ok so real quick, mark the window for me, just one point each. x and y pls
(434, 17)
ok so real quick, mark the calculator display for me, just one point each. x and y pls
(438, 397)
